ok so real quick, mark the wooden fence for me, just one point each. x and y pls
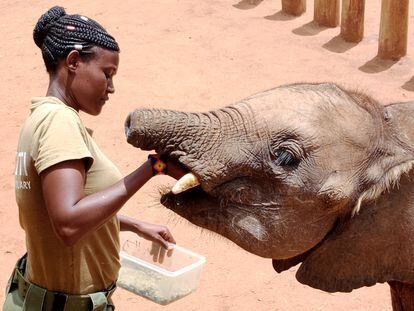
(393, 26)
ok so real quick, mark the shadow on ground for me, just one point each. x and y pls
(409, 85)
(247, 4)
(280, 16)
(309, 29)
(377, 65)
(338, 45)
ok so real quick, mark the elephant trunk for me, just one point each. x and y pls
(208, 144)
(165, 131)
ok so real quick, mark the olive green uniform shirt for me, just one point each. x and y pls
(53, 133)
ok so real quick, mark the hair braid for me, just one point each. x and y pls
(57, 33)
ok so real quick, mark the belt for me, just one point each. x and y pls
(56, 301)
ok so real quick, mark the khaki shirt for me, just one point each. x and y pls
(53, 133)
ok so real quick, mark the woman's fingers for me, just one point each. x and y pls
(155, 249)
(158, 252)
(167, 236)
(161, 237)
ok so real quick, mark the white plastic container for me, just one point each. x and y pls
(149, 271)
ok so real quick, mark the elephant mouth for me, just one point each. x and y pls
(201, 195)
(208, 209)
(195, 205)
(218, 215)
(187, 194)
(217, 210)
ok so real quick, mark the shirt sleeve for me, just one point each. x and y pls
(60, 137)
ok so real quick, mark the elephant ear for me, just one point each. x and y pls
(400, 118)
(281, 265)
(375, 246)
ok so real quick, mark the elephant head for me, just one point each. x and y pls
(307, 173)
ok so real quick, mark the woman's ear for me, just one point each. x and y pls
(72, 60)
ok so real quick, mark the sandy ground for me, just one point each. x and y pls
(196, 55)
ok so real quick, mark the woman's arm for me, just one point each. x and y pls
(71, 212)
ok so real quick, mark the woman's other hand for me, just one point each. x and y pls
(152, 232)
(155, 233)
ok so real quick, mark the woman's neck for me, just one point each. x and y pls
(57, 89)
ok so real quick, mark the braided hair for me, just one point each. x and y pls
(57, 33)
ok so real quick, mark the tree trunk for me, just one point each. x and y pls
(326, 13)
(402, 296)
(352, 20)
(294, 7)
(393, 29)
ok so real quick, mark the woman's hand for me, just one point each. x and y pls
(163, 165)
(155, 233)
(175, 170)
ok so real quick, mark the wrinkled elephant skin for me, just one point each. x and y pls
(308, 173)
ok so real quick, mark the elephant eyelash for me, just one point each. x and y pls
(285, 157)
(288, 149)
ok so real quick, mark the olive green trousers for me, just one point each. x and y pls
(22, 295)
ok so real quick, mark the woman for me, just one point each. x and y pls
(67, 191)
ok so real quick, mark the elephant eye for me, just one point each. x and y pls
(286, 158)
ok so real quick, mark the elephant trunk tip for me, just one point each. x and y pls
(139, 131)
(133, 135)
(127, 125)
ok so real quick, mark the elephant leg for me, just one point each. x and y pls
(402, 296)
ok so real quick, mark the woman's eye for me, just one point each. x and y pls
(286, 158)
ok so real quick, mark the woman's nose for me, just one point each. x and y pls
(111, 87)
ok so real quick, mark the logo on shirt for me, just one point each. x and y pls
(21, 171)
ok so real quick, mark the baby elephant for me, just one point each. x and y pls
(303, 173)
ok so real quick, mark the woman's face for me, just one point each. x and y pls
(93, 80)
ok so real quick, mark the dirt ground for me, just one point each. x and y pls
(196, 56)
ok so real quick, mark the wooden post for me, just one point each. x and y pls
(352, 20)
(294, 7)
(326, 12)
(393, 29)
